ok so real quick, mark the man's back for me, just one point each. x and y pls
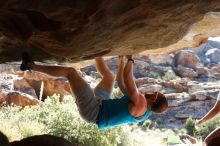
(115, 112)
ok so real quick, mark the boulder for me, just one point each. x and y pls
(43, 140)
(161, 59)
(213, 94)
(185, 72)
(17, 98)
(55, 87)
(186, 139)
(145, 80)
(6, 81)
(182, 116)
(202, 71)
(213, 55)
(200, 95)
(9, 67)
(146, 88)
(50, 85)
(215, 69)
(33, 84)
(20, 84)
(213, 42)
(175, 85)
(187, 58)
(172, 96)
(76, 30)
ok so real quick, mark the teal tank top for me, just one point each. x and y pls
(115, 112)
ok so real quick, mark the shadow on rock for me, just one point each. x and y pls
(43, 140)
(3, 140)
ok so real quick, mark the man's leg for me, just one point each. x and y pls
(75, 79)
(105, 86)
(85, 99)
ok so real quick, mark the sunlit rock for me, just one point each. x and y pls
(76, 30)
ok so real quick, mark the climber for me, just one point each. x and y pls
(96, 106)
(212, 113)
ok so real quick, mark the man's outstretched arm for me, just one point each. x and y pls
(120, 75)
(130, 85)
(213, 112)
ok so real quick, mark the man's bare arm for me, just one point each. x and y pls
(120, 75)
(130, 85)
(213, 112)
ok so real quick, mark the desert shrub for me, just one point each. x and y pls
(203, 130)
(206, 128)
(147, 123)
(59, 119)
(190, 126)
(170, 75)
(159, 121)
(154, 75)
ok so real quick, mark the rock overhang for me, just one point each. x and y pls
(76, 30)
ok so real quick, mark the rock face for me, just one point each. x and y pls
(74, 30)
(28, 88)
(39, 140)
(4, 140)
(17, 98)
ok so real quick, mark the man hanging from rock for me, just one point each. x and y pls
(97, 106)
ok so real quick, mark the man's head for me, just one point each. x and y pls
(157, 102)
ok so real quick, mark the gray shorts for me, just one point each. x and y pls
(89, 100)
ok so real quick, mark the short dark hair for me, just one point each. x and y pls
(160, 104)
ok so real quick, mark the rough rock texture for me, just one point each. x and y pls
(28, 88)
(74, 30)
(17, 98)
(4, 140)
(43, 140)
(48, 84)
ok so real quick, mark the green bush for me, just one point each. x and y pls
(159, 121)
(190, 126)
(206, 128)
(170, 75)
(155, 75)
(59, 119)
(147, 123)
(203, 130)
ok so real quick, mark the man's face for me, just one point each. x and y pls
(152, 96)
(163, 108)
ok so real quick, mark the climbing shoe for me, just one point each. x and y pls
(25, 60)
